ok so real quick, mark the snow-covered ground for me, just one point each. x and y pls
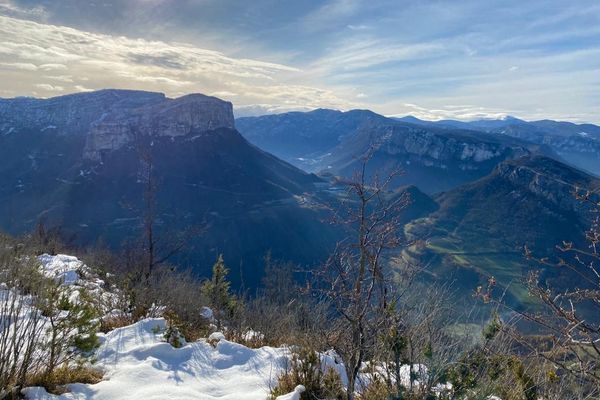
(139, 364)
(75, 276)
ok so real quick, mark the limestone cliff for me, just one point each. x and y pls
(171, 117)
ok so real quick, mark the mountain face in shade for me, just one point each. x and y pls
(303, 138)
(577, 144)
(432, 158)
(481, 227)
(88, 174)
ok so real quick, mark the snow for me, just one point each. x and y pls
(295, 395)
(253, 335)
(75, 276)
(62, 268)
(207, 313)
(139, 364)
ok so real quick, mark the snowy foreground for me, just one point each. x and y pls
(139, 364)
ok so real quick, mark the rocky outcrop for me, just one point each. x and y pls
(433, 149)
(70, 114)
(172, 117)
(110, 119)
(549, 179)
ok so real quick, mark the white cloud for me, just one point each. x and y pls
(60, 78)
(357, 27)
(50, 88)
(457, 112)
(223, 94)
(8, 8)
(80, 88)
(22, 66)
(53, 67)
(174, 68)
(331, 12)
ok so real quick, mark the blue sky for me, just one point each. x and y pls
(432, 59)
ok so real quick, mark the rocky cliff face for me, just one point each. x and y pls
(70, 114)
(434, 160)
(432, 149)
(579, 145)
(110, 119)
(172, 117)
(86, 176)
(548, 179)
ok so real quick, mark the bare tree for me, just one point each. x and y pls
(355, 279)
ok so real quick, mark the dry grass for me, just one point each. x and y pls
(112, 322)
(56, 381)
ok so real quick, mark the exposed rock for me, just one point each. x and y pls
(434, 159)
(171, 117)
(112, 118)
(547, 178)
(438, 148)
(70, 114)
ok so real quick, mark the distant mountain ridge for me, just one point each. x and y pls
(302, 137)
(82, 162)
(433, 158)
(578, 144)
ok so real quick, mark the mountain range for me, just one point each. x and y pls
(97, 164)
(434, 158)
(577, 144)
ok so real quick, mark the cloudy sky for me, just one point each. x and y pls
(433, 59)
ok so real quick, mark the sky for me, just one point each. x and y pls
(456, 59)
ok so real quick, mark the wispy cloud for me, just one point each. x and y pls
(331, 12)
(89, 60)
(9, 8)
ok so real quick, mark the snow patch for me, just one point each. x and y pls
(62, 268)
(139, 364)
(295, 395)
